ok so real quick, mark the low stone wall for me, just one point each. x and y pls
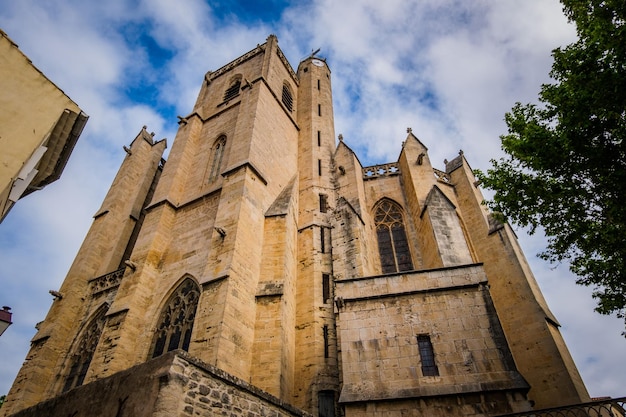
(174, 384)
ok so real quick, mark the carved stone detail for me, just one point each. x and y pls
(376, 171)
(107, 281)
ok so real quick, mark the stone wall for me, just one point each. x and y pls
(174, 384)
(380, 319)
(473, 405)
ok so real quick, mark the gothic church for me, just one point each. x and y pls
(262, 271)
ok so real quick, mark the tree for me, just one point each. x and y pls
(564, 168)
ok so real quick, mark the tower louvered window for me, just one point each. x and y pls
(233, 90)
(287, 98)
(84, 351)
(176, 322)
(393, 246)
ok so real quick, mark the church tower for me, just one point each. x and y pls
(284, 278)
(316, 354)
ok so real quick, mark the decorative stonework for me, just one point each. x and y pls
(382, 170)
(441, 176)
(176, 322)
(106, 282)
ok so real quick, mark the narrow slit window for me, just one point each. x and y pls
(326, 345)
(319, 109)
(319, 167)
(318, 84)
(427, 355)
(319, 138)
(323, 203)
(322, 240)
(326, 288)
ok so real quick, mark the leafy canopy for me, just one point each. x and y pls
(565, 164)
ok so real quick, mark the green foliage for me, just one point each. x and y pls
(565, 164)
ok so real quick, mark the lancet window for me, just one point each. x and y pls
(427, 355)
(393, 246)
(218, 153)
(174, 327)
(84, 351)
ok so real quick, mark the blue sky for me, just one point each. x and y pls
(449, 69)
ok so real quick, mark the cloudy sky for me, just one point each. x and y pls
(449, 69)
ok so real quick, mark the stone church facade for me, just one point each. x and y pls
(262, 270)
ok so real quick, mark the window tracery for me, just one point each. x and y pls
(84, 351)
(393, 245)
(176, 321)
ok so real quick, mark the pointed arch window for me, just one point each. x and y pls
(393, 245)
(176, 321)
(218, 153)
(84, 351)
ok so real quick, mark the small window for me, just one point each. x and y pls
(323, 203)
(319, 109)
(318, 84)
(319, 138)
(233, 90)
(427, 355)
(322, 240)
(326, 345)
(326, 288)
(287, 98)
(319, 167)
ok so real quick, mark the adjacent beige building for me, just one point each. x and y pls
(302, 280)
(39, 126)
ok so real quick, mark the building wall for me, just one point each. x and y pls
(381, 318)
(32, 106)
(42, 375)
(529, 325)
